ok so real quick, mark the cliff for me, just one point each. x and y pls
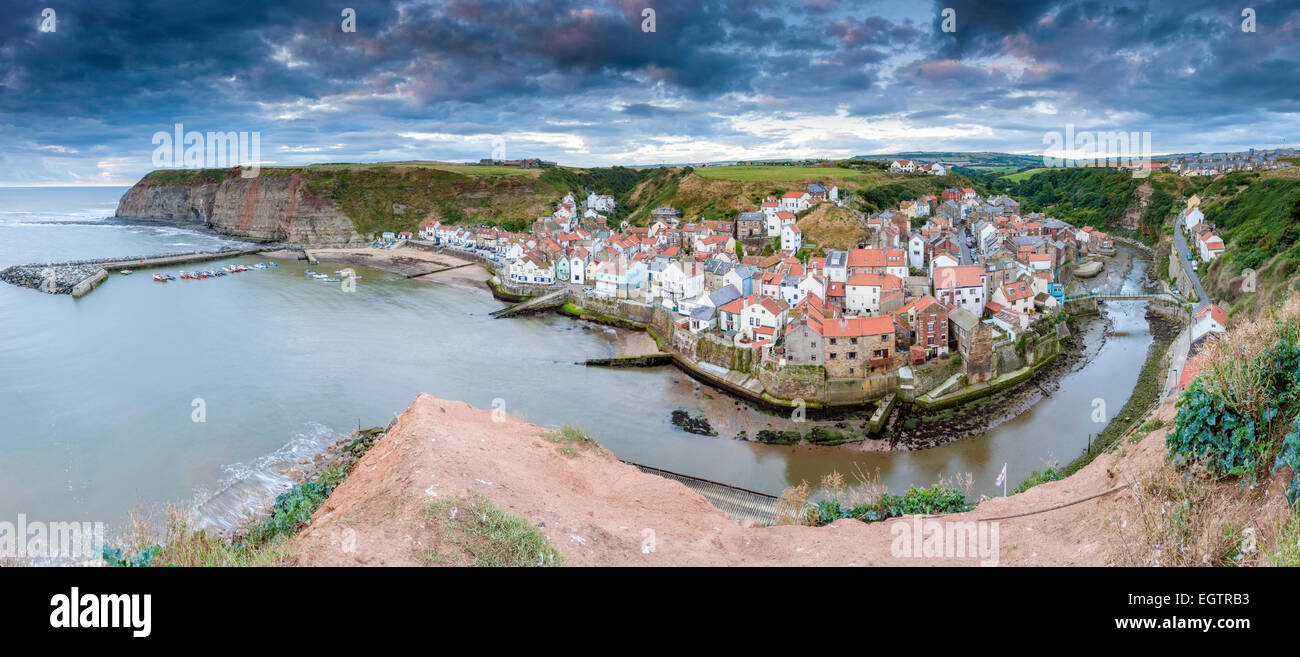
(440, 456)
(265, 208)
(340, 204)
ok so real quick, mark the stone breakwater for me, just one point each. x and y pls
(81, 276)
(52, 278)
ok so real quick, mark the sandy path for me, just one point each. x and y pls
(599, 511)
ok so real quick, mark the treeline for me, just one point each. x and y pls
(1094, 196)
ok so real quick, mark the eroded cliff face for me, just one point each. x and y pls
(266, 208)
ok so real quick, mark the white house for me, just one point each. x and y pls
(904, 166)
(796, 201)
(917, 251)
(532, 270)
(961, 287)
(600, 203)
(1210, 319)
(791, 238)
(763, 317)
(941, 260)
(1211, 246)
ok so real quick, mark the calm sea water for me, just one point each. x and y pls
(98, 394)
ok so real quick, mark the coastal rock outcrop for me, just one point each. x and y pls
(264, 208)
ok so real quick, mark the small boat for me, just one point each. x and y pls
(260, 265)
(320, 277)
(160, 278)
(125, 272)
(332, 280)
(272, 264)
(310, 272)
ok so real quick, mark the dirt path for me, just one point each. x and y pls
(599, 511)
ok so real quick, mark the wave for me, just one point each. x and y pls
(249, 490)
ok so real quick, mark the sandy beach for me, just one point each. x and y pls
(401, 260)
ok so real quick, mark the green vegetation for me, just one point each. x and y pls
(568, 437)
(929, 500)
(980, 160)
(1049, 473)
(1284, 547)
(186, 176)
(262, 544)
(618, 182)
(1021, 175)
(1260, 218)
(479, 533)
(767, 173)
(1240, 419)
(1093, 196)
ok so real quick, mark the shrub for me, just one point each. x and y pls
(1228, 417)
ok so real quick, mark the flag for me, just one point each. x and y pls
(1002, 476)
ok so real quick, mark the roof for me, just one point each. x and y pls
(963, 318)
(867, 258)
(1017, 291)
(1214, 312)
(960, 276)
(877, 280)
(857, 326)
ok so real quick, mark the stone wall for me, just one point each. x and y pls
(934, 372)
(1181, 279)
(723, 354)
(806, 382)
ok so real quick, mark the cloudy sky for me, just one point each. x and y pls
(583, 82)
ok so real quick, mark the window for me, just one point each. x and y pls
(853, 355)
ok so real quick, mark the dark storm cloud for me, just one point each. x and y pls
(84, 100)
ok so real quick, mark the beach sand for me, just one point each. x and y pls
(402, 260)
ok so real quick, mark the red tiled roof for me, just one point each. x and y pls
(857, 326)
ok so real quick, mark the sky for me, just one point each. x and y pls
(84, 90)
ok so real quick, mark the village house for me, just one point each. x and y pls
(962, 286)
(857, 346)
(1208, 320)
(791, 238)
(1209, 246)
(863, 293)
(762, 318)
(927, 321)
(974, 340)
(749, 225)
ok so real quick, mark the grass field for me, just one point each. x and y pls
(466, 169)
(1017, 177)
(763, 173)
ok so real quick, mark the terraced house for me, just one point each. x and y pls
(856, 346)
